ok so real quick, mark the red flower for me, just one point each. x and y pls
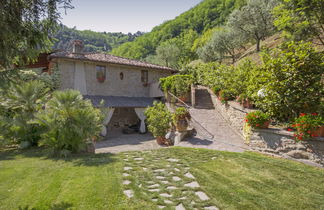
(300, 138)
(298, 125)
(246, 120)
(302, 114)
(257, 125)
(315, 114)
(293, 125)
(289, 129)
(308, 132)
(313, 135)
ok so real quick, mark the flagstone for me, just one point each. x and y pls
(202, 196)
(189, 175)
(180, 207)
(192, 184)
(129, 193)
(126, 182)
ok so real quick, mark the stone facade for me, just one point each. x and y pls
(81, 75)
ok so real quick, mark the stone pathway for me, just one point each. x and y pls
(167, 182)
(225, 138)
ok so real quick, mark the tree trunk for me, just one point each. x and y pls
(258, 45)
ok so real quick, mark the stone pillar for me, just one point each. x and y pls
(193, 95)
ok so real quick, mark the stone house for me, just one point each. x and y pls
(125, 86)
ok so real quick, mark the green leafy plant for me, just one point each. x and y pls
(180, 114)
(306, 125)
(19, 106)
(159, 119)
(178, 85)
(257, 119)
(294, 73)
(69, 121)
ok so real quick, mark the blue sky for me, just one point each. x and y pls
(123, 15)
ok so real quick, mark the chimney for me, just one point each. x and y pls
(77, 46)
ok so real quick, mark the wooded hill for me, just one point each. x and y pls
(187, 27)
(93, 41)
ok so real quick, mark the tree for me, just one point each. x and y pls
(168, 53)
(301, 19)
(294, 81)
(254, 21)
(26, 29)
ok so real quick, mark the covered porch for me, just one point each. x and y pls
(123, 115)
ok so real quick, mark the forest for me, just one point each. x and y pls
(93, 41)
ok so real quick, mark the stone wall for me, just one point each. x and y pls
(130, 85)
(281, 142)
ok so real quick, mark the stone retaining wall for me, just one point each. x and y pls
(281, 142)
(270, 140)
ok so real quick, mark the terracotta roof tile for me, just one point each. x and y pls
(107, 58)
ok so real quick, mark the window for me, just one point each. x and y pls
(144, 76)
(101, 73)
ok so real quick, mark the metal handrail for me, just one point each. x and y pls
(192, 118)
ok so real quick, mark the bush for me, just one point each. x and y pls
(69, 121)
(159, 119)
(293, 82)
(179, 114)
(18, 108)
(306, 125)
(178, 85)
(257, 119)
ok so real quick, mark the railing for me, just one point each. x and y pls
(194, 123)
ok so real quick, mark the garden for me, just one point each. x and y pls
(287, 89)
(33, 113)
(32, 179)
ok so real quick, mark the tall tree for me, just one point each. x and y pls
(255, 20)
(301, 19)
(168, 53)
(26, 28)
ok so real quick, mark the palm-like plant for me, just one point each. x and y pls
(69, 121)
(18, 108)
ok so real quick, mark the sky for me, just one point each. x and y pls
(123, 15)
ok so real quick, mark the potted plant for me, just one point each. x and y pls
(258, 119)
(159, 121)
(180, 119)
(245, 101)
(308, 126)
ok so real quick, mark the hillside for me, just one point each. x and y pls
(206, 15)
(93, 41)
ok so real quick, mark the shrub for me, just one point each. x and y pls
(293, 83)
(159, 119)
(178, 85)
(306, 125)
(257, 119)
(69, 121)
(19, 106)
(179, 114)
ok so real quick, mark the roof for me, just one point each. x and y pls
(107, 58)
(120, 101)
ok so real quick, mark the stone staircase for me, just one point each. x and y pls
(210, 120)
(203, 99)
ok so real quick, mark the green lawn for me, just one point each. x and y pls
(31, 180)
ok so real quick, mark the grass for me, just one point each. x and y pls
(32, 180)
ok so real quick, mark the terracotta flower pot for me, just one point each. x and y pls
(101, 79)
(247, 104)
(319, 132)
(160, 140)
(265, 124)
(182, 125)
